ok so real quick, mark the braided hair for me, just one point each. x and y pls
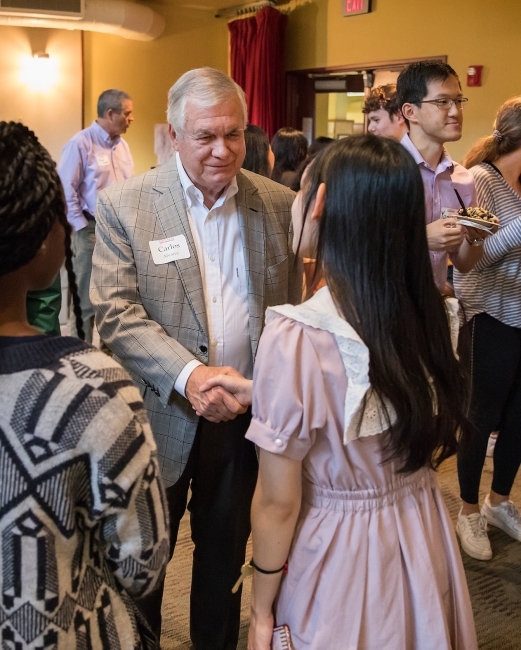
(31, 199)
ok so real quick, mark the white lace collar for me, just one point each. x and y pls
(321, 313)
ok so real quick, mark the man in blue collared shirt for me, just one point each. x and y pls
(92, 160)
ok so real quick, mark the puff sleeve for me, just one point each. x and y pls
(289, 404)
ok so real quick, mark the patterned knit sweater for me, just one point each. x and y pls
(82, 520)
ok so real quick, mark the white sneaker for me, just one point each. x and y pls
(505, 516)
(472, 531)
(491, 444)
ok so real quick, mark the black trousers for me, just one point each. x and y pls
(222, 473)
(496, 405)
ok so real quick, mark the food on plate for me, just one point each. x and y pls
(477, 213)
(479, 218)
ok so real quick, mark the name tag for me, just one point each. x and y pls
(169, 250)
(103, 160)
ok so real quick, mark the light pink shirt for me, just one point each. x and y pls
(90, 162)
(438, 185)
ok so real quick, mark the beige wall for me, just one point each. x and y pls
(147, 70)
(307, 35)
(54, 111)
(470, 32)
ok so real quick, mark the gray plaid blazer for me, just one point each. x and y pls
(153, 317)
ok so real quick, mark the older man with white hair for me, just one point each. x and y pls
(188, 256)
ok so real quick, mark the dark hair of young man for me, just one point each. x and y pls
(382, 97)
(413, 80)
(319, 143)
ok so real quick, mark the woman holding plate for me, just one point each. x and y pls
(491, 294)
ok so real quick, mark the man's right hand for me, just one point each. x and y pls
(444, 235)
(216, 404)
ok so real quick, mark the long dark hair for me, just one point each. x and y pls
(31, 199)
(257, 150)
(290, 147)
(372, 248)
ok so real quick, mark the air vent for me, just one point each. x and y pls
(126, 19)
(71, 9)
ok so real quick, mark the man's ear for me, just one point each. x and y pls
(173, 137)
(409, 112)
(320, 201)
(399, 117)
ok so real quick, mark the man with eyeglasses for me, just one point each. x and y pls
(431, 101)
(91, 160)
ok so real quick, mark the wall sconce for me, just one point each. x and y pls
(39, 72)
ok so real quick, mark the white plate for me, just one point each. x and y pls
(480, 224)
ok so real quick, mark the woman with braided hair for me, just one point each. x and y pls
(13, 191)
(82, 526)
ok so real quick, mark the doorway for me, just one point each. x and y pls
(329, 101)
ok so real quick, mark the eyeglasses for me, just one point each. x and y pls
(447, 104)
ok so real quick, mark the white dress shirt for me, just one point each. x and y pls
(220, 253)
(90, 162)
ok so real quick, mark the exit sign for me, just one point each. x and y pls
(354, 7)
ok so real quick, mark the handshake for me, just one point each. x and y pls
(218, 393)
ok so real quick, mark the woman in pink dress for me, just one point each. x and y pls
(357, 398)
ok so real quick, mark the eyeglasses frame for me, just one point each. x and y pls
(462, 103)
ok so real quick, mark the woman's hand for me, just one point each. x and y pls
(239, 387)
(477, 233)
(260, 632)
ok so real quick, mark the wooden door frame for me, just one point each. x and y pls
(300, 85)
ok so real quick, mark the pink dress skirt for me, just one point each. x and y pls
(374, 563)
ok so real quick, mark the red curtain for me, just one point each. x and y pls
(257, 62)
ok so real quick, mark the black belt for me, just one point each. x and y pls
(88, 216)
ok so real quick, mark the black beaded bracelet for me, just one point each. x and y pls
(257, 568)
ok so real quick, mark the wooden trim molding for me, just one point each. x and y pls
(300, 84)
(396, 64)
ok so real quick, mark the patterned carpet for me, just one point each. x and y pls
(495, 586)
